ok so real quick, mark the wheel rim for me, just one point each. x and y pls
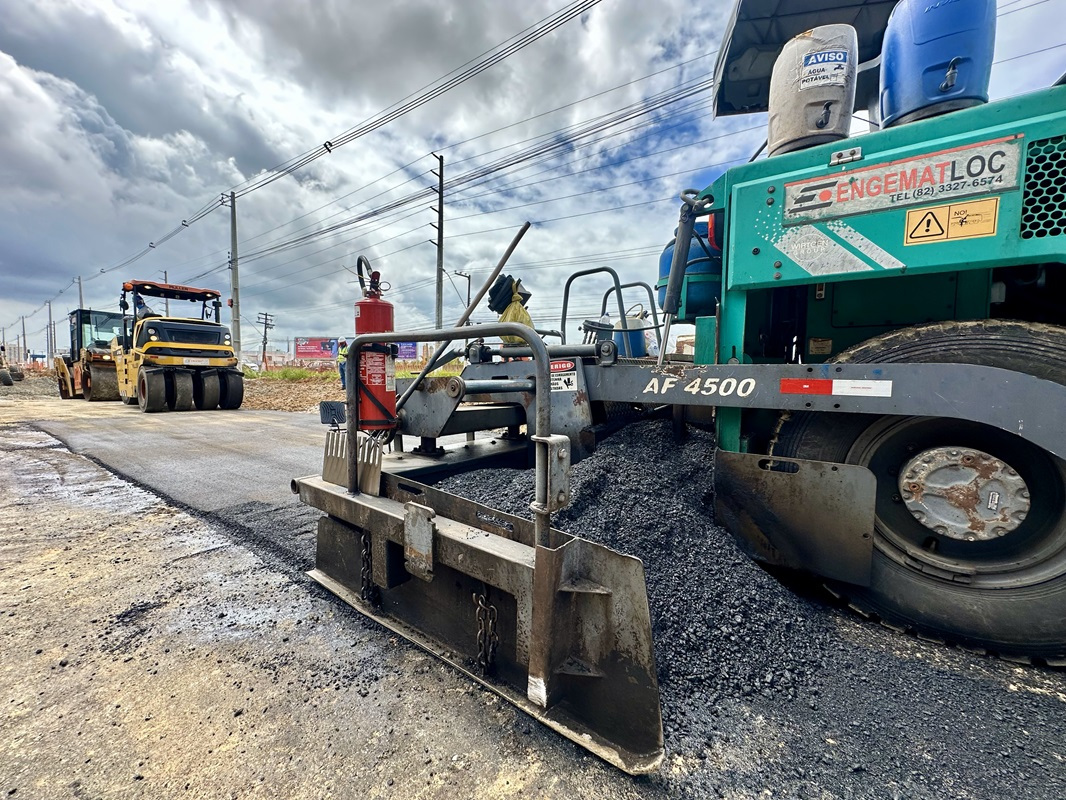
(963, 493)
(1030, 550)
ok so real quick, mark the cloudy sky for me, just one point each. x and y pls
(119, 119)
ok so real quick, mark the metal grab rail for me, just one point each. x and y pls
(434, 361)
(651, 305)
(542, 516)
(618, 288)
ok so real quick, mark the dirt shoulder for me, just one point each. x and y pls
(267, 394)
(146, 654)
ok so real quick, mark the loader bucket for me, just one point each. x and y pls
(562, 631)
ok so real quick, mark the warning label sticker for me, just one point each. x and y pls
(971, 219)
(563, 376)
(819, 347)
(564, 381)
(928, 226)
(825, 68)
(375, 369)
(976, 169)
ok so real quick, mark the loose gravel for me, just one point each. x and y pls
(280, 395)
(33, 385)
(765, 690)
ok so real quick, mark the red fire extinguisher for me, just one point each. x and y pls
(376, 382)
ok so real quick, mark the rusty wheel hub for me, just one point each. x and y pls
(964, 493)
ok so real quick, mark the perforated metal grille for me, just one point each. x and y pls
(1044, 198)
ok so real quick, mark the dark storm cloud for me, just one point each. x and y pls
(375, 54)
(134, 78)
(381, 51)
(108, 140)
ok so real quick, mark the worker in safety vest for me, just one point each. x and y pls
(342, 359)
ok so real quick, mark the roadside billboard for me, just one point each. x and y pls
(314, 348)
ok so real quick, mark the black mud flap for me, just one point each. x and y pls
(331, 412)
(809, 515)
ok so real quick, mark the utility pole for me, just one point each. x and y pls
(440, 240)
(234, 281)
(167, 301)
(267, 321)
(25, 348)
(48, 335)
(81, 296)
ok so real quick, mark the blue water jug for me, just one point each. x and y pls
(635, 333)
(936, 57)
(703, 275)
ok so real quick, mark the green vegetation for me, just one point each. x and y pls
(291, 374)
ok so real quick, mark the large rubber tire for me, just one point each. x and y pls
(1007, 595)
(151, 391)
(179, 390)
(231, 390)
(99, 384)
(205, 390)
(5, 378)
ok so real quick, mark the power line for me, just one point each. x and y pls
(517, 43)
(1023, 8)
(548, 146)
(413, 200)
(1033, 53)
(488, 59)
(501, 210)
(278, 243)
(453, 145)
(211, 206)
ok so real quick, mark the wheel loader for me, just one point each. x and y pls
(174, 363)
(879, 344)
(89, 370)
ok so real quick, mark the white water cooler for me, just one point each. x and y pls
(812, 89)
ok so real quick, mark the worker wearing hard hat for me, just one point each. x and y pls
(342, 359)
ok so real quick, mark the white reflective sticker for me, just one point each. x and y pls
(863, 388)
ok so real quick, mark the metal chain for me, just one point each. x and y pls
(367, 590)
(487, 638)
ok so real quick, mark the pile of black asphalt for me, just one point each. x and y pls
(768, 689)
